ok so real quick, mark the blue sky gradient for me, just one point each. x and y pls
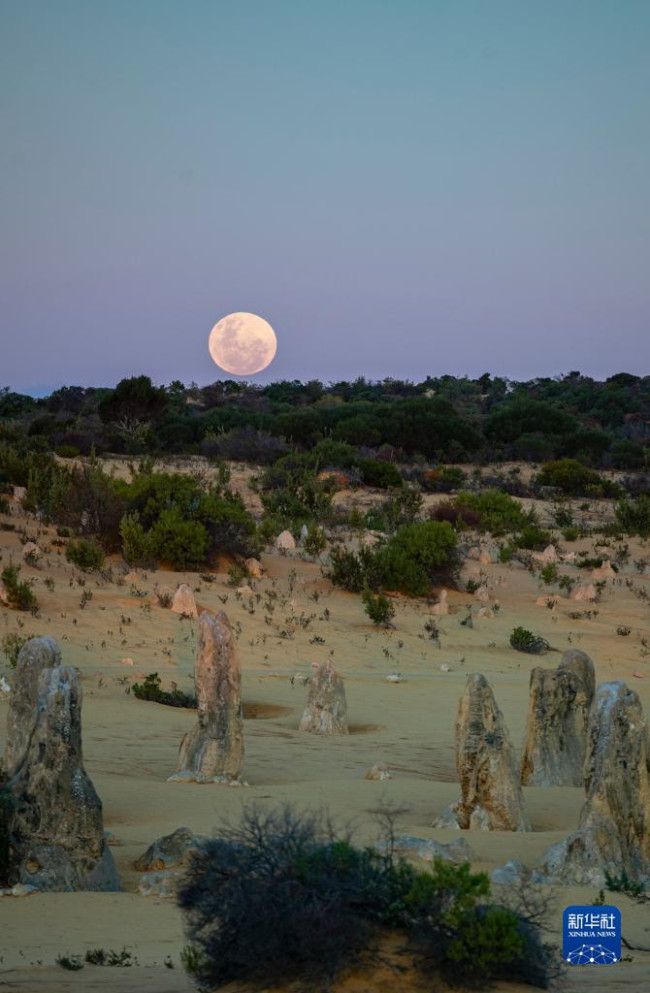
(400, 188)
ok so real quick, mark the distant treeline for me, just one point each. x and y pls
(442, 419)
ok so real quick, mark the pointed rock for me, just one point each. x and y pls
(213, 751)
(556, 728)
(491, 796)
(285, 540)
(56, 827)
(614, 832)
(326, 711)
(36, 655)
(184, 602)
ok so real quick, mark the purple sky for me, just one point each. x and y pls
(400, 189)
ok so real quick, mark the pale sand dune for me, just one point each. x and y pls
(130, 747)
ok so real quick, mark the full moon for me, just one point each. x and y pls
(242, 344)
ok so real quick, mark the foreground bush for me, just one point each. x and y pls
(283, 897)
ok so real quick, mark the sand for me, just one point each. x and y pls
(130, 746)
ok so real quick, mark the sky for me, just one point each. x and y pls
(400, 187)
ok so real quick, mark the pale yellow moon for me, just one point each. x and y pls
(242, 344)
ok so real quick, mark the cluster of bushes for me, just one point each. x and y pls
(155, 517)
(444, 419)
(573, 479)
(410, 561)
(283, 898)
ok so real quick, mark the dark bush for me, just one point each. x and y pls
(379, 474)
(525, 641)
(245, 444)
(446, 479)
(498, 512)
(151, 689)
(87, 555)
(283, 898)
(412, 560)
(633, 516)
(459, 517)
(574, 479)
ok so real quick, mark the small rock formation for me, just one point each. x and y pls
(163, 594)
(326, 711)
(547, 557)
(485, 613)
(426, 849)
(441, 608)
(285, 540)
(304, 531)
(482, 594)
(169, 851)
(213, 751)
(510, 874)
(605, 571)
(556, 728)
(491, 796)
(56, 828)
(584, 593)
(614, 831)
(244, 590)
(254, 568)
(36, 655)
(184, 602)
(378, 771)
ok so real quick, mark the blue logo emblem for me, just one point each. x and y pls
(591, 935)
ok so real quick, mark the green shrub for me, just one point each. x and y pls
(417, 556)
(137, 547)
(282, 898)
(533, 538)
(549, 573)
(378, 607)
(574, 479)
(183, 544)
(85, 554)
(67, 451)
(379, 473)
(498, 512)
(315, 541)
(633, 516)
(151, 689)
(20, 595)
(4, 506)
(412, 560)
(525, 641)
(571, 533)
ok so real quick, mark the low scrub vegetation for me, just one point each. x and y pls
(284, 897)
(410, 561)
(151, 689)
(19, 594)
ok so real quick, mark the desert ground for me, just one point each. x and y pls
(131, 746)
